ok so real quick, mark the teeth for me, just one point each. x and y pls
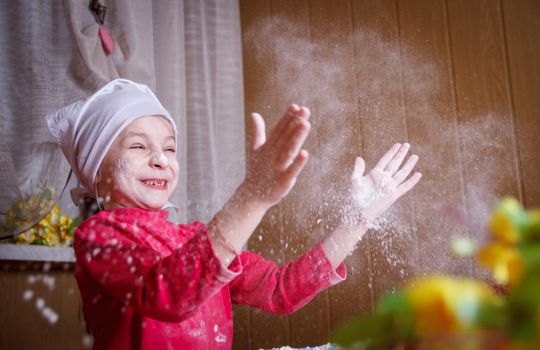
(156, 183)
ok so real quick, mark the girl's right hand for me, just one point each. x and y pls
(274, 164)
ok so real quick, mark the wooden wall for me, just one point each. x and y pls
(458, 79)
(28, 290)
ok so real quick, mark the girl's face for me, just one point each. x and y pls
(140, 169)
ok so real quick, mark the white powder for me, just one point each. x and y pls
(365, 190)
(40, 303)
(27, 295)
(122, 169)
(163, 160)
(50, 315)
(413, 236)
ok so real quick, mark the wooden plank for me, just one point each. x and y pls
(242, 338)
(522, 30)
(380, 91)
(254, 328)
(297, 63)
(345, 133)
(484, 108)
(41, 310)
(433, 132)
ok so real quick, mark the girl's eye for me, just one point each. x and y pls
(171, 150)
(137, 146)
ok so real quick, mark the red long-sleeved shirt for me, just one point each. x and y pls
(147, 283)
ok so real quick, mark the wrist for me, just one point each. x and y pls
(341, 242)
(250, 196)
(354, 215)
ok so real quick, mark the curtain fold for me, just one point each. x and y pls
(188, 52)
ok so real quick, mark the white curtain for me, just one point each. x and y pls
(188, 52)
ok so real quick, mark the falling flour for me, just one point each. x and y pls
(413, 236)
(48, 313)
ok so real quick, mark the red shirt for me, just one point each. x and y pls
(147, 283)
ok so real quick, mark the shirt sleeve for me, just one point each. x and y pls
(283, 289)
(164, 288)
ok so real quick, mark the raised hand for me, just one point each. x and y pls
(274, 164)
(375, 192)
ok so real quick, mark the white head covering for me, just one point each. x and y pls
(87, 128)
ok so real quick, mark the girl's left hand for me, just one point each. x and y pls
(375, 192)
(274, 164)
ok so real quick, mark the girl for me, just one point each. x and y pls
(147, 283)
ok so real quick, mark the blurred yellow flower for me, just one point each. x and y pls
(444, 304)
(503, 229)
(505, 220)
(443, 312)
(502, 255)
(504, 261)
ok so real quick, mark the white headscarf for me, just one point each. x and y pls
(86, 129)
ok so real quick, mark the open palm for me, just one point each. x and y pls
(274, 164)
(375, 192)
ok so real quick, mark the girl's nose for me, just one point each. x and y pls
(159, 161)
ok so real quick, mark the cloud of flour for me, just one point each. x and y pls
(355, 84)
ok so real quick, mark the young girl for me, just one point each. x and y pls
(147, 283)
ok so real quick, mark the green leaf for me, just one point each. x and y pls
(363, 328)
(524, 306)
(531, 258)
(494, 316)
(392, 323)
(531, 229)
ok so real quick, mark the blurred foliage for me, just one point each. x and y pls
(445, 312)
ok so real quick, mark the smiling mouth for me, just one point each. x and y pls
(156, 184)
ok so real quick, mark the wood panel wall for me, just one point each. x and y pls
(458, 79)
(28, 290)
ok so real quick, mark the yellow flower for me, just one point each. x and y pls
(503, 256)
(65, 221)
(504, 261)
(442, 304)
(54, 229)
(505, 219)
(51, 238)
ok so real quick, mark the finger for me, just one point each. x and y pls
(396, 161)
(296, 166)
(359, 167)
(408, 185)
(282, 140)
(289, 149)
(281, 126)
(388, 156)
(406, 169)
(258, 131)
(304, 112)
